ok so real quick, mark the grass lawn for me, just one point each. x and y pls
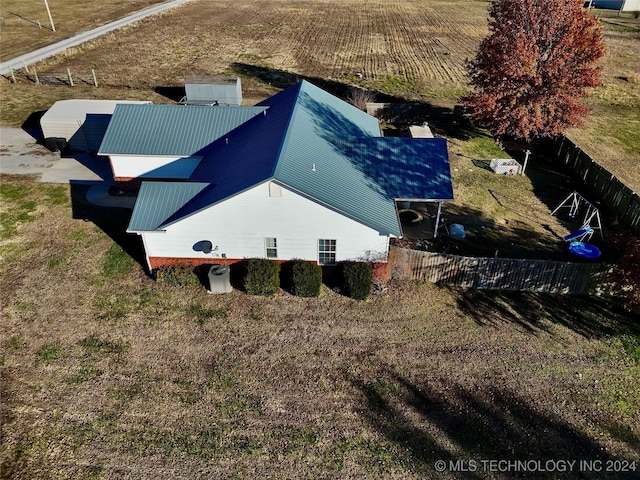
(106, 374)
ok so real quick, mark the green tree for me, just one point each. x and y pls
(534, 69)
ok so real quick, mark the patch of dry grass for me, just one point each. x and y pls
(26, 27)
(111, 375)
(612, 132)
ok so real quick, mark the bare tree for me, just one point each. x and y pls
(359, 97)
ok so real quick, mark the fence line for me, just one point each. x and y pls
(66, 78)
(623, 201)
(495, 273)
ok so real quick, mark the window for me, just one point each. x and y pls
(271, 245)
(326, 251)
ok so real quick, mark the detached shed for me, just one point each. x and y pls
(78, 124)
(212, 91)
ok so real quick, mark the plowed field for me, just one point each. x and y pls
(395, 45)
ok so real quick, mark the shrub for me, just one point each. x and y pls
(178, 275)
(357, 279)
(262, 277)
(306, 279)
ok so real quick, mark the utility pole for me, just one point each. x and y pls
(53, 27)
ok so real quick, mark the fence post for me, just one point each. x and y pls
(13, 77)
(70, 78)
(26, 69)
(95, 80)
(36, 74)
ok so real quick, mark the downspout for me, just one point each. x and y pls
(146, 253)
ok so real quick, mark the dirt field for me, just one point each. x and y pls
(105, 374)
(392, 44)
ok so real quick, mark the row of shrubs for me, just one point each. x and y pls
(265, 277)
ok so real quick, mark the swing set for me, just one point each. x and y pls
(580, 207)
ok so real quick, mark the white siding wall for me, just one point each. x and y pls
(239, 225)
(129, 166)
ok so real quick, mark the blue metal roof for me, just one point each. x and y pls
(158, 200)
(402, 168)
(170, 129)
(328, 151)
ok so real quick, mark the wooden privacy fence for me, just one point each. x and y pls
(495, 273)
(623, 201)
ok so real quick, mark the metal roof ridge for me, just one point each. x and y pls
(285, 136)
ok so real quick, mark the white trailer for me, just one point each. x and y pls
(78, 124)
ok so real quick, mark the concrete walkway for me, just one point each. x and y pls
(21, 155)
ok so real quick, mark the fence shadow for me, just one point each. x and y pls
(435, 419)
(590, 317)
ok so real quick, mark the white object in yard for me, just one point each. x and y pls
(78, 124)
(420, 131)
(505, 166)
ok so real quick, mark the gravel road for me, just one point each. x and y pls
(50, 50)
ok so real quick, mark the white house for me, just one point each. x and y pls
(308, 177)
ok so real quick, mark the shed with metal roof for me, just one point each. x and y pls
(211, 91)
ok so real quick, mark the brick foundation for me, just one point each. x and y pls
(158, 262)
(381, 271)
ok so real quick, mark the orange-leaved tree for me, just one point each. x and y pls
(534, 69)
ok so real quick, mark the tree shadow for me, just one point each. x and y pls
(588, 316)
(400, 112)
(438, 419)
(112, 221)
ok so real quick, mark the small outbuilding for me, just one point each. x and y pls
(78, 125)
(212, 91)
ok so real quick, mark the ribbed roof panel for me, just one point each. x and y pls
(170, 129)
(158, 200)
